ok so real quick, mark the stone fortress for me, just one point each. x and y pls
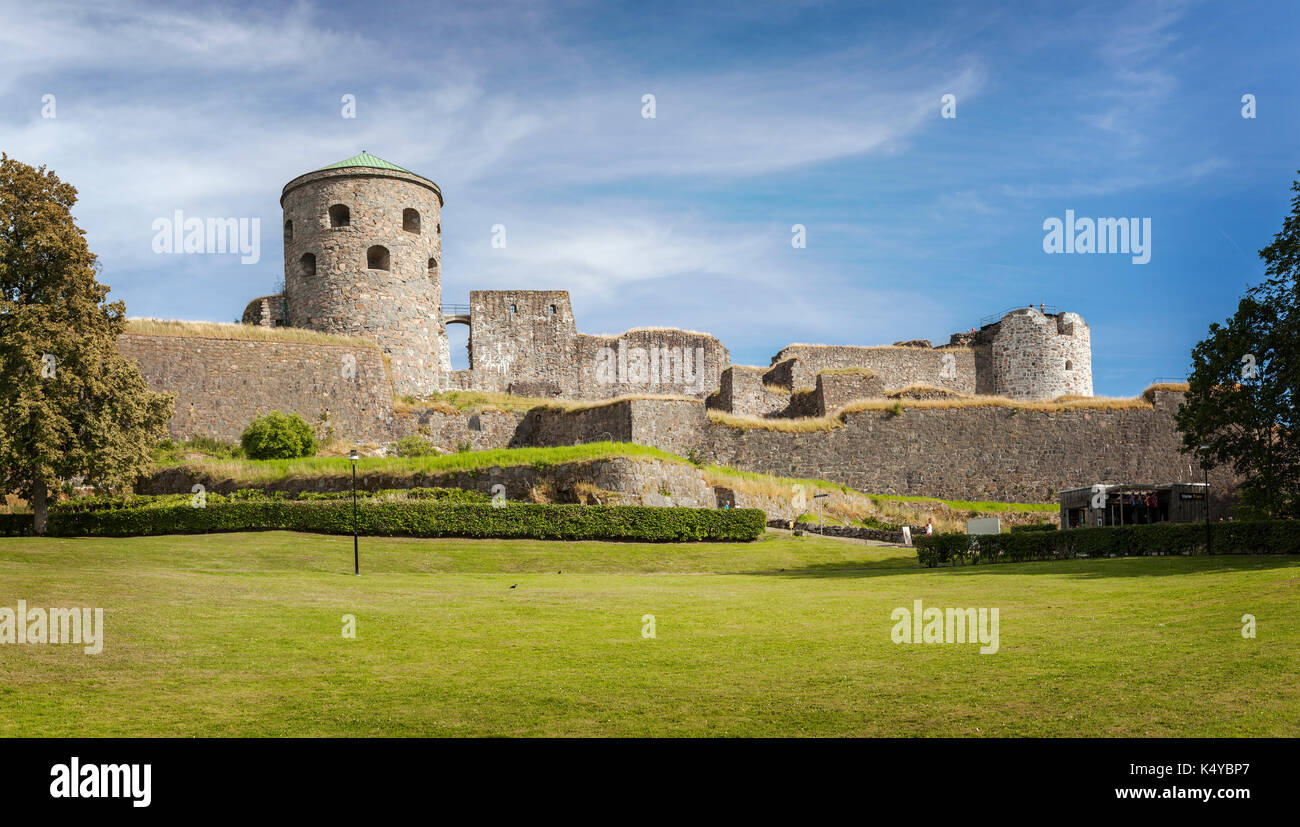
(1003, 411)
(363, 257)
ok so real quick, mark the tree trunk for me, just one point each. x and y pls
(40, 507)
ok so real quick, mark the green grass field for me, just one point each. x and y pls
(241, 634)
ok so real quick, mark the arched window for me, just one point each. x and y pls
(340, 216)
(552, 310)
(1069, 365)
(288, 231)
(433, 266)
(307, 264)
(411, 221)
(440, 228)
(377, 258)
(513, 308)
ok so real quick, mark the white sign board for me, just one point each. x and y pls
(986, 525)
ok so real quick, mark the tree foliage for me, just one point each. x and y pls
(1241, 406)
(70, 404)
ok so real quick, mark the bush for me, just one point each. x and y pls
(1035, 527)
(411, 519)
(1258, 537)
(278, 436)
(414, 445)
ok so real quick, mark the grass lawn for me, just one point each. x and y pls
(240, 634)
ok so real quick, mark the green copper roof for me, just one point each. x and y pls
(365, 159)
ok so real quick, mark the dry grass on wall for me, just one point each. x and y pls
(243, 332)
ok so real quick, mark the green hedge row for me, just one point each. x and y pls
(411, 519)
(1262, 537)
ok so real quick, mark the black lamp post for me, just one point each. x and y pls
(356, 556)
(1205, 450)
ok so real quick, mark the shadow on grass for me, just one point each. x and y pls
(1086, 569)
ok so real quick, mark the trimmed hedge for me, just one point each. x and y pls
(1262, 537)
(409, 519)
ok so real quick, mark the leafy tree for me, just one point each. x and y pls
(1243, 387)
(278, 436)
(70, 404)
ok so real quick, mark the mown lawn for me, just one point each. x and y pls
(240, 634)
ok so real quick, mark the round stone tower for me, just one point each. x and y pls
(363, 257)
(1041, 356)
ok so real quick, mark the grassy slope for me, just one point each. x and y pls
(240, 635)
(262, 471)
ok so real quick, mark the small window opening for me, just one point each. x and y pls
(411, 221)
(340, 216)
(377, 258)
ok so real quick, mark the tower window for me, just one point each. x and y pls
(411, 221)
(513, 308)
(439, 228)
(377, 258)
(340, 216)
(307, 264)
(288, 231)
(1069, 365)
(552, 310)
(433, 266)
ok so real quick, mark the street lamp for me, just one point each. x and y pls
(821, 525)
(1205, 451)
(356, 556)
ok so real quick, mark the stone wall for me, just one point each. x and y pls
(654, 360)
(612, 480)
(221, 384)
(898, 367)
(525, 342)
(971, 453)
(522, 340)
(989, 452)
(835, 390)
(742, 391)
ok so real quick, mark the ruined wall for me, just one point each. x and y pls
(267, 311)
(525, 342)
(221, 384)
(522, 342)
(898, 367)
(655, 360)
(330, 285)
(741, 391)
(835, 390)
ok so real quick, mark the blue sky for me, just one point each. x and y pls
(823, 114)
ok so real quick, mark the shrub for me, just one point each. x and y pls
(1259, 537)
(412, 519)
(414, 445)
(278, 436)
